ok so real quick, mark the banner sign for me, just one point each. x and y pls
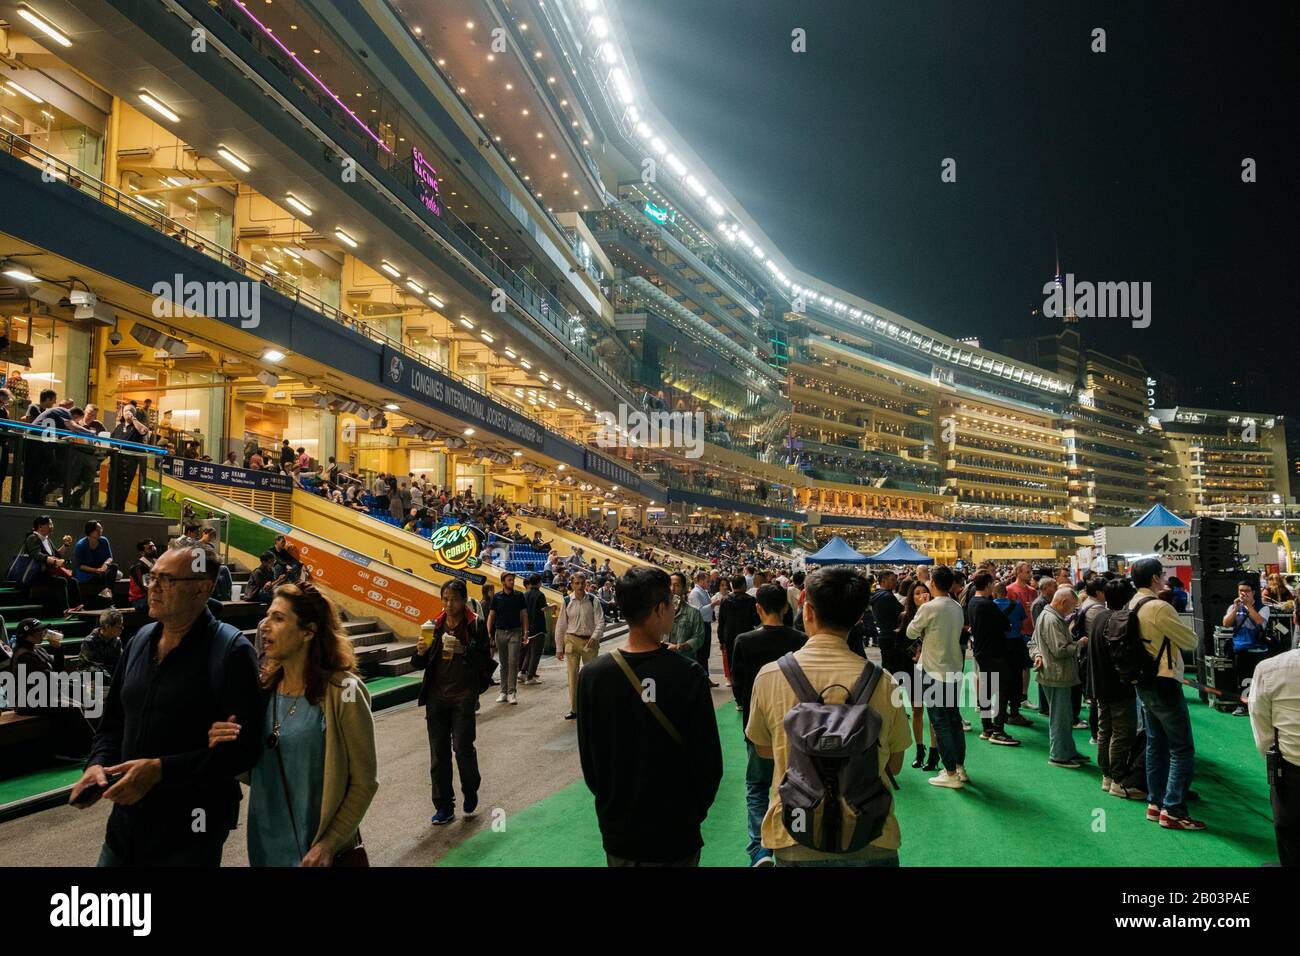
(211, 473)
(605, 468)
(362, 583)
(422, 383)
(456, 546)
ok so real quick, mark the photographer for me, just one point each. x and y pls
(1248, 618)
(121, 475)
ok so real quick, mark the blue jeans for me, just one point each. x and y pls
(941, 704)
(1060, 723)
(1171, 754)
(758, 788)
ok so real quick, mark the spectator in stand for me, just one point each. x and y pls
(138, 591)
(608, 599)
(71, 736)
(316, 774)
(286, 456)
(51, 573)
(755, 650)
(255, 461)
(94, 569)
(736, 615)
(653, 764)
(102, 648)
(834, 599)
(264, 580)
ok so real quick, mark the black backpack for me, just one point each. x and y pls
(1128, 652)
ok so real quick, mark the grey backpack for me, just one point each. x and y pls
(832, 796)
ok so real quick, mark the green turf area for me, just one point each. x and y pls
(34, 784)
(1017, 811)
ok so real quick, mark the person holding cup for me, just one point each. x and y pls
(456, 659)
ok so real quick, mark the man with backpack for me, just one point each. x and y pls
(151, 757)
(647, 736)
(1123, 773)
(838, 695)
(1149, 656)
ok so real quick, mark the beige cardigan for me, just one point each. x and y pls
(350, 764)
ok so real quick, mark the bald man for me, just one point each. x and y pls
(1053, 648)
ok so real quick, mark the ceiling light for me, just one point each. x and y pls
(600, 27)
(437, 302)
(272, 355)
(391, 269)
(415, 287)
(467, 323)
(486, 337)
(561, 467)
(344, 238)
(297, 204)
(392, 407)
(233, 160)
(525, 363)
(511, 354)
(24, 91)
(157, 105)
(20, 274)
(517, 454)
(292, 254)
(467, 432)
(45, 26)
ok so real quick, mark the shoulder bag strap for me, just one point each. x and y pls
(660, 716)
(284, 777)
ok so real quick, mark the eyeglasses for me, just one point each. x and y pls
(163, 580)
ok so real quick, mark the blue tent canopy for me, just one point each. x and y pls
(1159, 517)
(899, 551)
(837, 551)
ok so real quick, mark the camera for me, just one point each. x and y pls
(115, 337)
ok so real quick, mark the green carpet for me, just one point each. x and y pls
(1017, 811)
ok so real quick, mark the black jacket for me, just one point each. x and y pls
(478, 654)
(886, 608)
(988, 627)
(737, 614)
(1103, 681)
(753, 650)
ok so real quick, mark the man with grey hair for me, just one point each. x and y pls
(1053, 649)
(578, 630)
(178, 675)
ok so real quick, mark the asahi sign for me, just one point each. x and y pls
(443, 393)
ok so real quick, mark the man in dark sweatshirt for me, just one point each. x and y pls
(998, 677)
(737, 614)
(754, 650)
(647, 736)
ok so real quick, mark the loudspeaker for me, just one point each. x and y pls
(1222, 638)
(1214, 528)
(1214, 590)
(1221, 675)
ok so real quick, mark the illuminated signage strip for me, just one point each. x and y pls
(211, 473)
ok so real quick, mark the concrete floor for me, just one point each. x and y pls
(526, 752)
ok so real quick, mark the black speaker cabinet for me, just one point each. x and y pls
(1213, 591)
(1214, 528)
(1221, 675)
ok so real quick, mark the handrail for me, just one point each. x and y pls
(224, 519)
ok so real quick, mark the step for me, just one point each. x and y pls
(390, 651)
(395, 668)
(360, 625)
(17, 612)
(370, 638)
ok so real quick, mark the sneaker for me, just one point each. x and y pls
(763, 859)
(534, 680)
(1240, 712)
(962, 775)
(512, 698)
(986, 734)
(1170, 822)
(1082, 758)
(1093, 741)
(1117, 789)
(106, 593)
(1019, 720)
(570, 716)
(966, 726)
(944, 779)
(1080, 725)
(471, 804)
(443, 816)
(1067, 764)
(1029, 705)
(1003, 740)
(1153, 813)
(501, 697)
(1106, 784)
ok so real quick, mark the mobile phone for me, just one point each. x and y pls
(95, 791)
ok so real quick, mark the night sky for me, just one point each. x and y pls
(1129, 160)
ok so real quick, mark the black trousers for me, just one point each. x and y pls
(1117, 755)
(1285, 794)
(451, 730)
(998, 692)
(121, 475)
(531, 655)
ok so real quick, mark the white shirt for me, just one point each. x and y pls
(1274, 702)
(579, 617)
(938, 625)
(700, 600)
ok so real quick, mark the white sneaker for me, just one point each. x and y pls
(966, 726)
(501, 697)
(106, 593)
(1105, 784)
(953, 782)
(512, 699)
(962, 775)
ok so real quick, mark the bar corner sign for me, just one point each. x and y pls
(456, 546)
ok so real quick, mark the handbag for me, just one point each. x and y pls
(23, 570)
(355, 856)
